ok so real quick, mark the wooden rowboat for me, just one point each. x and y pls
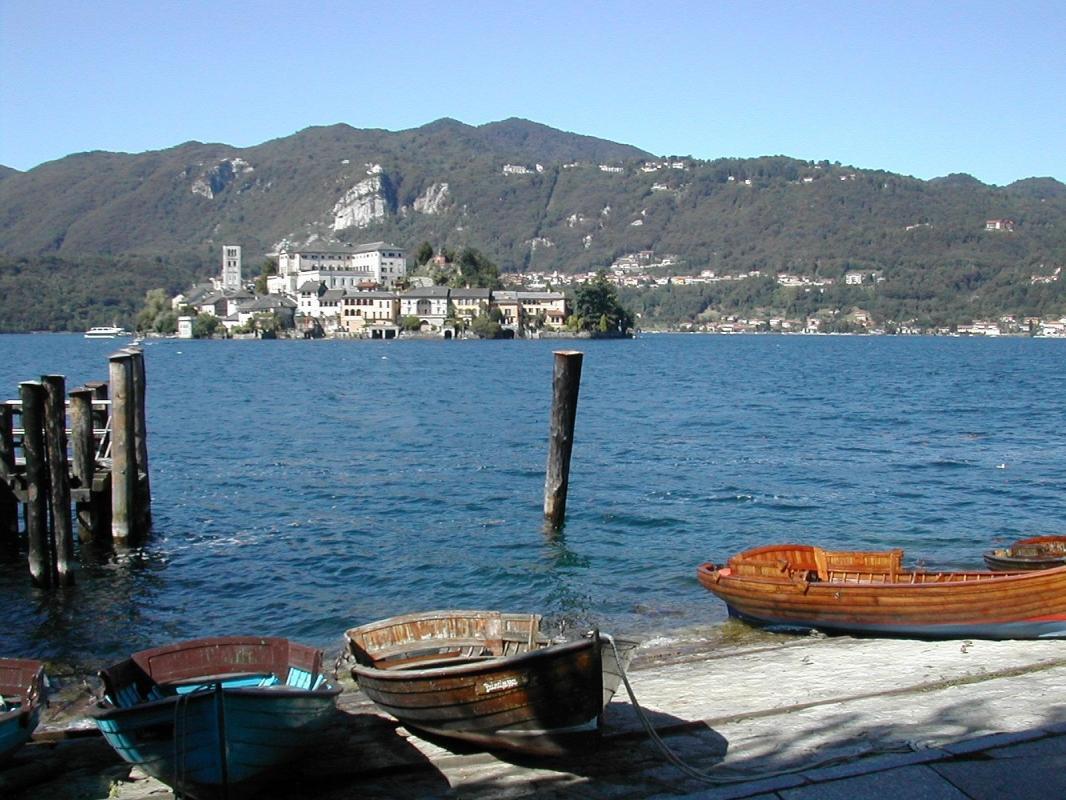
(22, 694)
(1038, 552)
(489, 678)
(209, 714)
(799, 586)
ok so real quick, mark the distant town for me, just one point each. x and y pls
(367, 291)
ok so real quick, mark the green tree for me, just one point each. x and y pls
(485, 326)
(410, 323)
(156, 303)
(268, 268)
(476, 270)
(205, 325)
(596, 307)
(423, 254)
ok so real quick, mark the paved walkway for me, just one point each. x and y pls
(790, 718)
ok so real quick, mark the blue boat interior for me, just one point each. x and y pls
(131, 694)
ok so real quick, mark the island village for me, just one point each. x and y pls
(367, 291)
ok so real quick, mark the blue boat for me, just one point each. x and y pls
(206, 715)
(21, 697)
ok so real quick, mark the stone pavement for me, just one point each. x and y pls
(768, 716)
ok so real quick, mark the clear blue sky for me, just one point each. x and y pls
(920, 88)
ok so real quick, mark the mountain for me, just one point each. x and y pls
(529, 197)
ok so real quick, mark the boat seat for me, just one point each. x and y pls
(858, 566)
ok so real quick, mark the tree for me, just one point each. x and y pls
(205, 325)
(410, 323)
(596, 307)
(485, 326)
(477, 270)
(269, 267)
(156, 303)
(423, 254)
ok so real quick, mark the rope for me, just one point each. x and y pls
(706, 777)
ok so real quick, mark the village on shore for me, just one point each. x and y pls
(367, 292)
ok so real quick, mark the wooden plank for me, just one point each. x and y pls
(10, 481)
(55, 426)
(40, 556)
(83, 453)
(123, 449)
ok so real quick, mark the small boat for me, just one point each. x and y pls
(489, 678)
(105, 332)
(800, 586)
(209, 714)
(1038, 552)
(22, 694)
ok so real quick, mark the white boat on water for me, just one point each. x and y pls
(105, 332)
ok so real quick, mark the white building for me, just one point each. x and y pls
(369, 265)
(231, 266)
(429, 304)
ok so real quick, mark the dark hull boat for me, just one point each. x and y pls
(488, 678)
(799, 586)
(21, 697)
(209, 714)
(1038, 552)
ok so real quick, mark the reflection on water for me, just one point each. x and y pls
(304, 487)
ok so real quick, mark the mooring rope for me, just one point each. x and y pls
(720, 780)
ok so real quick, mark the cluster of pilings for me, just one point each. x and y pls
(88, 449)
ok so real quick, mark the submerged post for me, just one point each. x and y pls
(566, 380)
(123, 447)
(55, 436)
(40, 557)
(83, 458)
(9, 504)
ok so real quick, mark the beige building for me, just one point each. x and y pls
(362, 310)
(549, 306)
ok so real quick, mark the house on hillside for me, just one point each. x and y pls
(377, 264)
(999, 225)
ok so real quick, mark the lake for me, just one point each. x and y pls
(301, 487)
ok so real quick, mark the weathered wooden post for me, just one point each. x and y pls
(566, 380)
(123, 447)
(9, 504)
(83, 458)
(55, 437)
(140, 435)
(40, 557)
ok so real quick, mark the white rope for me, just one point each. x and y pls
(706, 777)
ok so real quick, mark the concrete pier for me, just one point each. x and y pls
(768, 716)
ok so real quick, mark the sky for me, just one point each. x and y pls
(919, 88)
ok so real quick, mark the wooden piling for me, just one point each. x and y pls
(55, 437)
(9, 503)
(40, 556)
(123, 448)
(140, 435)
(566, 380)
(83, 459)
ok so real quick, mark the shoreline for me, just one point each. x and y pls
(771, 704)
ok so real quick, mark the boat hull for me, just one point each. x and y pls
(544, 701)
(1026, 605)
(1038, 552)
(22, 689)
(210, 714)
(178, 740)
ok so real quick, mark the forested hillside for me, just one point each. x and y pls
(106, 226)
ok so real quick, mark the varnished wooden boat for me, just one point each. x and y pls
(799, 586)
(210, 714)
(1038, 552)
(22, 694)
(489, 678)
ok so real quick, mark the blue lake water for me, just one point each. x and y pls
(304, 487)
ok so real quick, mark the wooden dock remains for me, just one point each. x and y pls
(87, 449)
(566, 381)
